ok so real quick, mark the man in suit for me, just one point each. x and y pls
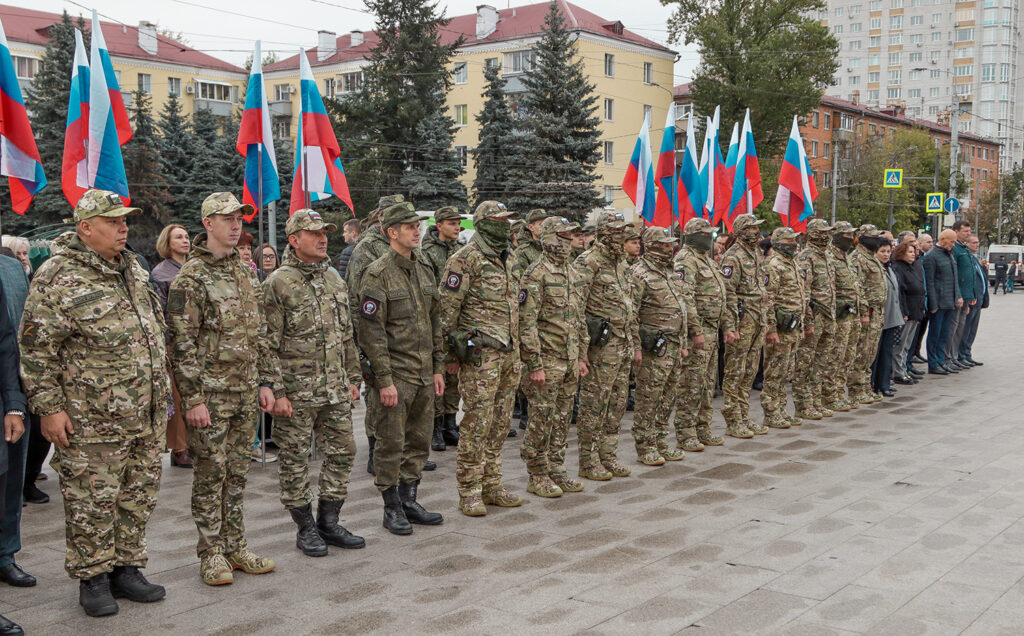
(981, 290)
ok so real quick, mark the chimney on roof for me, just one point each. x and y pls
(147, 37)
(855, 97)
(326, 45)
(486, 20)
(355, 38)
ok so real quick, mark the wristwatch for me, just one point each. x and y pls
(20, 414)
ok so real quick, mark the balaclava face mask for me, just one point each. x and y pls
(700, 241)
(496, 234)
(786, 249)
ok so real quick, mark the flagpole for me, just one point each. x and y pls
(259, 268)
(305, 176)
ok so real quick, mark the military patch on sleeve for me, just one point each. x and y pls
(681, 274)
(766, 280)
(454, 281)
(522, 296)
(29, 332)
(727, 271)
(370, 307)
(176, 302)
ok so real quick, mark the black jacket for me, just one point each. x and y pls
(911, 280)
(11, 397)
(346, 254)
(940, 276)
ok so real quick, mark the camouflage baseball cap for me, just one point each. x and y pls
(224, 203)
(698, 224)
(656, 234)
(783, 233)
(868, 230)
(610, 221)
(589, 229)
(536, 214)
(744, 221)
(307, 219)
(400, 213)
(817, 225)
(842, 227)
(389, 200)
(446, 213)
(557, 225)
(491, 210)
(102, 203)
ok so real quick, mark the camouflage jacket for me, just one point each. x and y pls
(399, 317)
(437, 252)
(817, 265)
(847, 289)
(218, 329)
(371, 246)
(704, 288)
(660, 299)
(92, 344)
(309, 333)
(787, 290)
(551, 321)
(607, 292)
(870, 280)
(745, 282)
(528, 252)
(479, 292)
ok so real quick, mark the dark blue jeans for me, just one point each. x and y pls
(970, 331)
(10, 525)
(938, 334)
(881, 370)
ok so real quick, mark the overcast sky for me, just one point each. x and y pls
(226, 28)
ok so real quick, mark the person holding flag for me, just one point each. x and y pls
(638, 184)
(795, 199)
(19, 157)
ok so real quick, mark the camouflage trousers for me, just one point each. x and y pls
(603, 396)
(109, 490)
(331, 424)
(656, 387)
(448, 404)
(372, 400)
(779, 365)
(543, 449)
(812, 364)
(487, 393)
(741, 358)
(403, 435)
(222, 454)
(695, 387)
(867, 348)
(839, 361)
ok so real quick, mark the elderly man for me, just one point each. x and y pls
(924, 243)
(965, 281)
(981, 288)
(940, 279)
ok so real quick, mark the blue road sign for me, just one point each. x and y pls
(952, 205)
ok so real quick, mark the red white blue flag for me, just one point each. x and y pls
(666, 209)
(74, 174)
(797, 192)
(261, 184)
(689, 187)
(638, 184)
(746, 185)
(19, 157)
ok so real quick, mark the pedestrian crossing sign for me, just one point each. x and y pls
(894, 178)
(934, 202)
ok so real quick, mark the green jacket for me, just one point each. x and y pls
(371, 246)
(437, 252)
(528, 252)
(479, 292)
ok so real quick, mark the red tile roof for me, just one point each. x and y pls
(30, 26)
(837, 102)
(513, 23)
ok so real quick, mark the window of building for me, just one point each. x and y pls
(934, 91)
(855, 27)
(963, 70)
(609, 195)
(873, 95)
(145, 83)
(330, 87)
(990, 17)
(839, 12)
(351, 82)
(1004, 72)
(988, 92)
(855, 9)
(875, 23)
(117, 78)
(814, 148)
(915, 75)
(174, 87)
(964, 35)
(462, 154)
(282, 92)
(895, 58)
(854, 62)
(846, 122)
(913, 93)
(461, 73)
(916, 20)
(520, 61)
(933, 110)
(875, 40)
(874, 76)
(893, 93)
(281, 129)
(837, 29)
(609, 109)
(874, 59)
(213, 92)
(895, 4)
(965, 15)
(26, 67)
(609, 65)
(609, 152)
(936, 18)
(648, 73)
(855, 45)
(824, 149)
(814, 119)
(490, 62)
(461, 115)
(895, 39)
(915, 57)
(875, 5)
(896, 22)
(937, 36)
(828, 121)
(988, 72)
(917, 38)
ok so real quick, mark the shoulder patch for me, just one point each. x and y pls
(454, 281)
(85, 298)
(766, 278)
(369, 307)
(727, 271)
(29, 332)
(522, 296)
(681, 274)
(176, 301)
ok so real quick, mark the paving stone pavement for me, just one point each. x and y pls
(904, 517)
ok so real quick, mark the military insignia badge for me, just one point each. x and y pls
(727, 271)
(766, 280)
(176, 302)
(29, 332)
(369, 308)
(454, 281)
(522, 296)
(681, 274)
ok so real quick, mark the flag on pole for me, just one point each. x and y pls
(797, 192)
(689, 188)
(726, 175)
(19, 157)
(746, 185)
(638, 184)
(666, 209)
(109, 128)
(317, 155)
(74, 175)
(710, 164)
(256, 142)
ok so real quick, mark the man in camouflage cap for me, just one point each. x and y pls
(665, 328)
(841, 354)
(873, 290)
(632, 245)
(316, 378)
(787, 318)
(479, 305)
(219, 354)
(817, 265)
(441, 241)
(93, 362)
(704, 289)
(553, 341)
(528, 251)
(744, 327)
(614, 346)
(399, 316)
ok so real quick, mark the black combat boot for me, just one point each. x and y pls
(394, 516)
(429, 465)
(524, 409)
(437, 439)
(369, 462)
(127, 581)
(94, 596)
(327, 525)
(451, 430)
(414, 512)
(307, 539)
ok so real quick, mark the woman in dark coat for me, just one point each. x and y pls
(910, 276)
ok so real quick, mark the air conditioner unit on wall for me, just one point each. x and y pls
(190, 89)
(291, 89)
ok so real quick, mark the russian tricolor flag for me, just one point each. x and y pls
(797, 192)
(710, 164)
(666, 209)
(318, 172)
(726, 175)
(19, 157)
(690, 188)
(256, 142)
(746, 184)
(638, 184)
(74, 175)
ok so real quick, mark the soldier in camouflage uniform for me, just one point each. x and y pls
(93, 362)
(818, 267)
(873, 290)
(787, 317)
(842, 352)
(745, 281)
(316, 376)
(479, 304)
(704, 288)
(441, 241)
(552, 342)
(528, 251)
(219, 355)
(399, 317)
(664, 326)
(607, 301)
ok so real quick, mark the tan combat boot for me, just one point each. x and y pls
(247, 561)
(616, 468)
(705, 437)
(567, 483)
(542, 486)
(501, 497)
(472, 506)
(739, 431)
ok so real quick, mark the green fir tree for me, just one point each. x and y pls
(491, 154)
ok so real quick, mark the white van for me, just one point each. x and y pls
(1011, 252)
